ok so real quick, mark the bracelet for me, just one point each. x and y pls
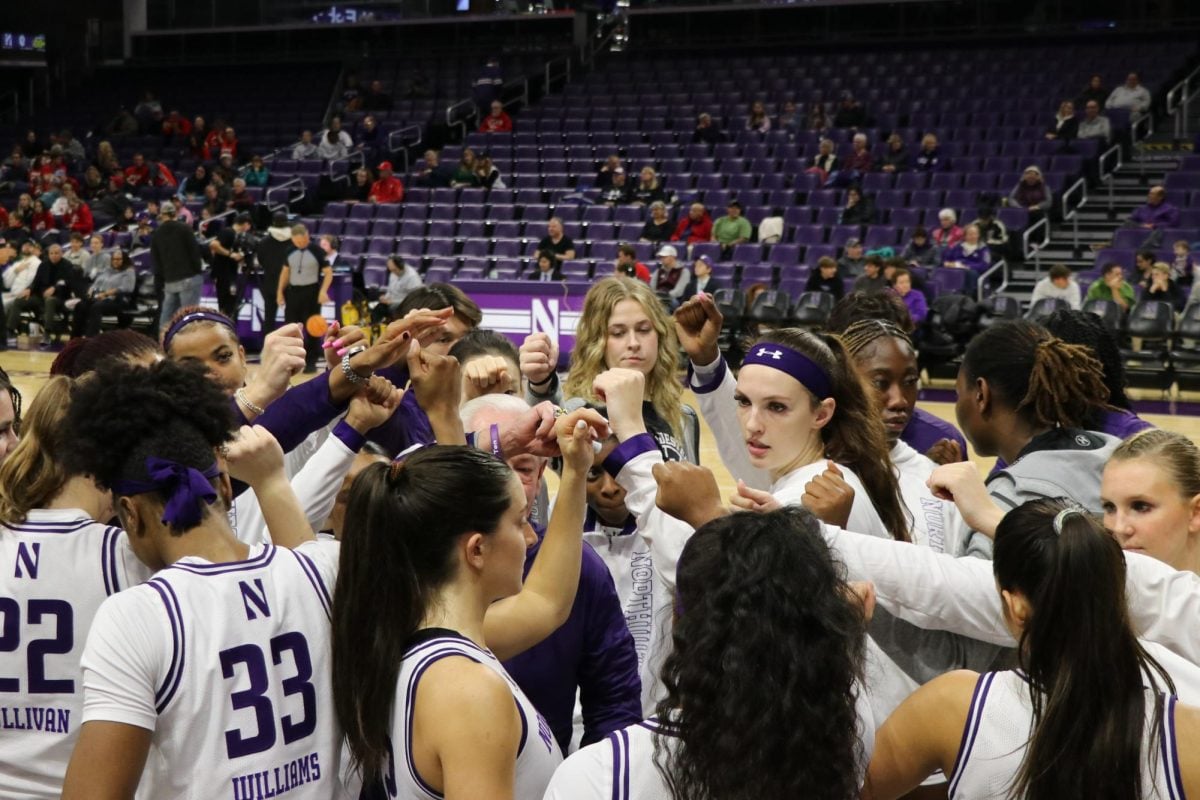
(497, 451)
(240, 396)
(546, 382)
(351, 375)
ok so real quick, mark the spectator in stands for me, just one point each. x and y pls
(137, 174)
(852, 261)
(548, 267)
(213, 204)
(97, 257)
(825, 162)
(1059, 284)
(618, 192)
(175, 126)
(1066, 125)
(227, 143)
(329, 244)
(1143, 262)
(1161, 287)
(487, 173)
(433, 174)
(50, 288)
(758, 120)
(994, 232)
(920, 250)
(731, 229)
(859, 163)
(403, 280)
(359, 189)
(671, 279)
(817, 120)
(648, 189)
(388, 189)
(604, 175)
(142, 232)
(1112, 286)
(371, 139)
(695, 227)
(76, 253)
(110, 293)
(257, 173)
(304, 288)
(902, 284)
(858, 210)
(789, 118)
(1095, 90)
(1031, 193)
(31, 144)
(1183, 269)
(72, 148)
(1156, 216)
(20, 275)
(351, 99)
(78, 218)
(148, 112)
(826, 278)
(557, 242)
(971, 254)
(947, 234)
(702, 279)
(929, 159)
(1131, 96)
(41, 220)
(15, 168)
(1094, 125)
(94, 186)
(106, 159)
(333, 141)
(240, 198)
(486, 87)
(895, 157)
(850, 113)
(498, 121)
(193, 186)
(659, 227)
(629, 266)
(376, 99)
(707, 130)
(464, 175)
(306, 148)
(872, 281)
(122, 124)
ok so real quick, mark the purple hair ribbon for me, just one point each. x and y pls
(188, 490)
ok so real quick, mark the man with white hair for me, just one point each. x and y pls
(593, 652)
(947, 233)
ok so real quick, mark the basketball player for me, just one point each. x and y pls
(210, 674)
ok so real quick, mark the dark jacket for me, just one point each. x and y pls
(174, 252)
(272, 251)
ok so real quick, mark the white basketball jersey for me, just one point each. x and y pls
(228, 665)
(621, 767)
(55, 570)
(537, 754)
(997, 732)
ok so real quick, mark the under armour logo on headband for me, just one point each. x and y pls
(775, 354)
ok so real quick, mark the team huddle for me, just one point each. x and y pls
(216, 585)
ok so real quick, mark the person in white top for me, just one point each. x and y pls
(763, 683)
(796, 402)
(58, 566)
(1088, 714)
(206, 679)
(430, 600)
(1131, 95)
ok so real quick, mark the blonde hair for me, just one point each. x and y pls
(33, 473)
(663, 389)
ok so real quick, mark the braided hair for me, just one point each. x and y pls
(859, 335)
(869, 305)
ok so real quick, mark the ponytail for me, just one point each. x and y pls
(1048, 382)
(402, 522)
(33, 473)
(1085, 666)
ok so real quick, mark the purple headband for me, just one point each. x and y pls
(188, 490)
(791, 362)
(195, 316)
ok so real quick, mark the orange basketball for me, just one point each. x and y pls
(316, 325)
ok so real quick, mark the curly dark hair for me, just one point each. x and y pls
(81, 356)
(124, 413)
(768, 650)
(858, 306)
(1087, 329)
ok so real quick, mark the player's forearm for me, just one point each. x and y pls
(282, 512)
(555, 573)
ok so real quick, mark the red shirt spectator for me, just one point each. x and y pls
(41, 221)
(695, 227)
(388, 189)
(498, 121)
(137, 173)
(79, 219)
(176, 125)
(227, 144)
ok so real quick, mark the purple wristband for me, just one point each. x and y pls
(497, 451)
